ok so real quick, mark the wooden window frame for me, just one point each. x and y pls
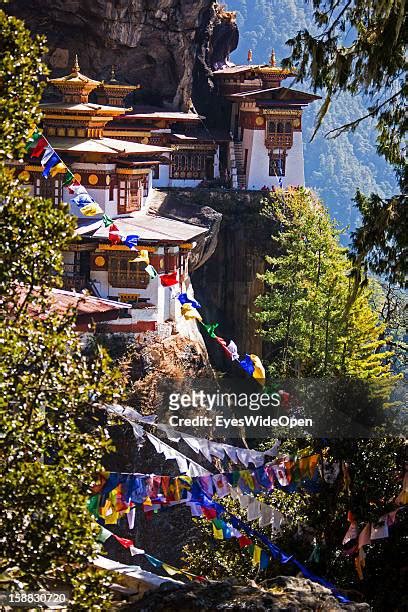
(123, 274)
(129, 195)
(49, 189)
(188, 165)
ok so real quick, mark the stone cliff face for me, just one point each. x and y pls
(227, 283)
(161, 44)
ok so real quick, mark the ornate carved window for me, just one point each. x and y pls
(189, 164)
(277, 164)
(279, 133)
(130, 195)
(123, 273)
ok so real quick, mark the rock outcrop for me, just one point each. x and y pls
(285, 593)
(162, 44)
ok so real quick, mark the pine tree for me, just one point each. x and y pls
(52, 435)
(305, 313)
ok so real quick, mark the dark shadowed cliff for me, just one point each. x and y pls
(164, 45)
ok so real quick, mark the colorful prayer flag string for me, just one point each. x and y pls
(39, 147)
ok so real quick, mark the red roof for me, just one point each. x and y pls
(88, 308)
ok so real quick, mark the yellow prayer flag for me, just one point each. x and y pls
(143, 256)
(89, 210)
(171, 570)
(190, 313)
(61, 167)
(259, 370)
(256, 557)
(217, 533)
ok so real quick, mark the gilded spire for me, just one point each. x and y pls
(249, 55)
(75, 67)
(113, 75)
(273, 58)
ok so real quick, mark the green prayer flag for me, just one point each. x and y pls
(32, 141)
(103, 535)
(68, 178)
(107, 221)
(93, 505)
(211, 327)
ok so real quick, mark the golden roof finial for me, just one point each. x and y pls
(75, 67)
(249, 55)
(113, 75)
(273, 58)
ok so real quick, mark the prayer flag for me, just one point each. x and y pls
(39, 147)
(264, 560)
(74, 186)
(52, 161)
(68, 178)
(103, 535)
(82, 199)
(91, 209)
(48, 153)
(256, 557)
(93, 505)
(114, 235)
(171, 570)
(106, 220)
(244, 541)
(211, 327)
(217, 533)
(233, 349)
(124, 541)
(151, 271)
(136, 551)
(259, 370)
(155, 562)
(32, 141)
(190, 313)
(247, 364)
(168, 280)
(184, 299)
(131, 240)
(143, 255)
(60, 167)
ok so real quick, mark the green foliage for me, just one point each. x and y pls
(53, 438)
(21, 81)
(306, 313)
(360, 48)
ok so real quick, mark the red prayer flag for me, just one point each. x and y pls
(125, 542)
(244, 541)
(39, 147)
(209, 513)
(114, 235)
(223, 345)
(167, 280)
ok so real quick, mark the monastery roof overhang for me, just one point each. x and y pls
(255, 70)
(150, 228)
(108, 146)
(277, 94)
(82, 108)
(164, 116)
(88, 308)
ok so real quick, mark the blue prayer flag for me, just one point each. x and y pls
(247, 364)
(184, 299)
(52, 161)
(131, 241)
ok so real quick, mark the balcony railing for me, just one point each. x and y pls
(279, 141)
